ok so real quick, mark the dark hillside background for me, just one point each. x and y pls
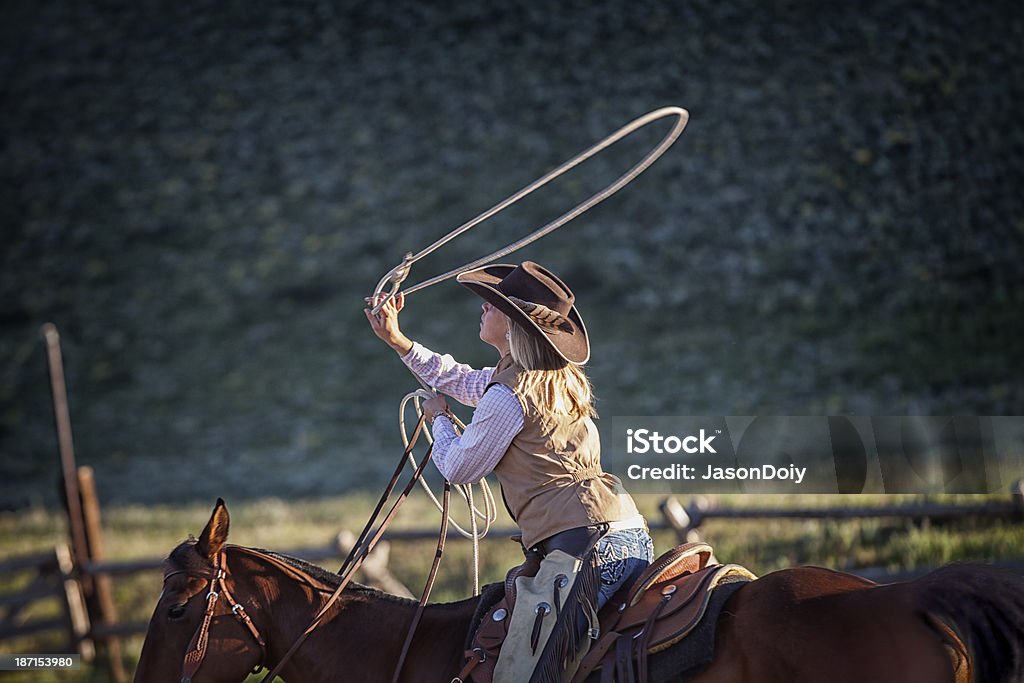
(200, 194)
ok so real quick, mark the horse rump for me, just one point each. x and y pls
(984, 606)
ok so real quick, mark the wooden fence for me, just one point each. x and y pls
(50, 578)
(686, 520)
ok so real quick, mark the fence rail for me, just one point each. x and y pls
(51, 578)
(684, 520)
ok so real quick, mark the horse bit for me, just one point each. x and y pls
(197, 647)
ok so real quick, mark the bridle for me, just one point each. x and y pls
(196, 652)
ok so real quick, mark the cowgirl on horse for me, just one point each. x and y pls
(533, 427)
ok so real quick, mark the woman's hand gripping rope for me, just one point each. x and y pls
(490, 511)
(383, 317)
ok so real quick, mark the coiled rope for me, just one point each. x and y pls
(490, 512)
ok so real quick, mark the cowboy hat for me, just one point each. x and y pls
(532, 296)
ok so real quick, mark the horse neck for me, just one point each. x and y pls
(363, 638)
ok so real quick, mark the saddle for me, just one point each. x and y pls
(672, 599)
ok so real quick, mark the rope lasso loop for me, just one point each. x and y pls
(490, 512)
(400, 272)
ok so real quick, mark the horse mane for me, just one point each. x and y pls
(332, 579)
(184, 557)
(314, 571)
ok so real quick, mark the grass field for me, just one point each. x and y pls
(762, 546)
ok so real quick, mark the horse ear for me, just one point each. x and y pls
(215, 533)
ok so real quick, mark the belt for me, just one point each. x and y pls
(634, 522)
(577, 542)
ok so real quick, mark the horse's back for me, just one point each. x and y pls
(814, 624)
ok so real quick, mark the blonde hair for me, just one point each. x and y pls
(551, 380)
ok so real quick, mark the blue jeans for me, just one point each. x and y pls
(622, 556)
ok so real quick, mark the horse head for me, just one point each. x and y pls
(199, 631)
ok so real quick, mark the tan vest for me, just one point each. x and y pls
(551, 476)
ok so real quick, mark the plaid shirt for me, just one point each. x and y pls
(496, 421)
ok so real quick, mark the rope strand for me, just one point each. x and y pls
(397, 275)
(489, 514)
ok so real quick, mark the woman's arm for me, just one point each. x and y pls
(447, 375)
(443, 373)
(469, 458)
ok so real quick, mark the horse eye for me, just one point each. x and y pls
(175, 612)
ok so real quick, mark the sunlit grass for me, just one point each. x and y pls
(761, 545)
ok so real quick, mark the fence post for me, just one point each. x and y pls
(66, 448)
(678, 519)
(103, 609)
(74, 604)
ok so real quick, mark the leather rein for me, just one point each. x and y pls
(196, 652)
(365, 544)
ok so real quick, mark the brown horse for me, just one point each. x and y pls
(963, 624)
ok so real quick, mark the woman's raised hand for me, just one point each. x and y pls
(385, 322)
